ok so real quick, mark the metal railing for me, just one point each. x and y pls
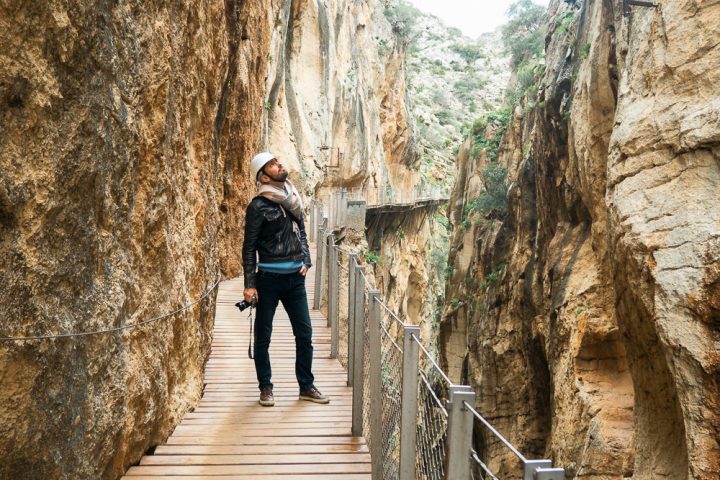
(417, 422)
(387, 195)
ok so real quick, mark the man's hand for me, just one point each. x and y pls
(249, 293)
(304, 270)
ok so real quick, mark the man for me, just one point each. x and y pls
(275, 231)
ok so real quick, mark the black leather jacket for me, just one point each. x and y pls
(269, 232)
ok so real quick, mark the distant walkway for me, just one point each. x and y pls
(404, 207)
(229, 435)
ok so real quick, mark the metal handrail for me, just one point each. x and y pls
(432, 360)
(474, 456)
(495, 432)
(392, 314)
(440, 405)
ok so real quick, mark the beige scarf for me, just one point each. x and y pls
(287, 196)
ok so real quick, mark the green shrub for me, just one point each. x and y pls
(499, 119)
(470, 52)
(564, 21)
(523, 35)
(493, 201)
(585, 51)
(401, 16)
(371, 257)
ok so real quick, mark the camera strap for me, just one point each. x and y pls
(250, 339)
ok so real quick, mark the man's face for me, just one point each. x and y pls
(275, 171)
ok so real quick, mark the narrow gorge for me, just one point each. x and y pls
(568, 269)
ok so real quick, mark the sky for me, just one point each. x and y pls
(472, 17)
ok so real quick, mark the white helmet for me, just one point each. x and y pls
(258, 162)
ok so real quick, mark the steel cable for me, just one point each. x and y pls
(117, 329)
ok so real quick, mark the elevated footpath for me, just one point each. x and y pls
(230, 436)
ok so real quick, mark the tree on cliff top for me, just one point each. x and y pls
(402, 17)
(523, 34)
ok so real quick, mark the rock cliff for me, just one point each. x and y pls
(125, 130)
(585, 309)
(335, 107)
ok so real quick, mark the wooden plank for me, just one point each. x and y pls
(241, 439)
(314, 476)
(247, 469)
(256, 449)
(234, 418)
(268, 459)
(286, 430)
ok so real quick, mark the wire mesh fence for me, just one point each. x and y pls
(391, 376)
(432, 429)
(366, 378)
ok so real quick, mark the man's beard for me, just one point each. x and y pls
(280, 177)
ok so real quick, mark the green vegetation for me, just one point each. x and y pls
(499, 120)
(585, 51)
(524, 34)
(470, 52)
(493, 201)
(466, 88)
(371, 257)
(524, 40)
(402, 17)
(564, 22)
(267, 105)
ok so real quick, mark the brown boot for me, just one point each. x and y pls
(266, 397)
(313, 395)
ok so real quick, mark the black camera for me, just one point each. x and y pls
(243, 305)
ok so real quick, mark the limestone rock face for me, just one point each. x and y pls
(590, 329)
(125, 131)
(335, 109)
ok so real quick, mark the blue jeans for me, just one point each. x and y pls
(290, 290)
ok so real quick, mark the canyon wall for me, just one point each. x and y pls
(585, 313)
(335, 108)
(126, 128)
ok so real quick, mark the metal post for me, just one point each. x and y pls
(358, 353)
(460, 429)
(409, 402)
(352, 262)
(311, 225)
(333, 295)
(376, 395)
(319, 268)
(318, 219)
(342, 207)
(328, 257)
(331, 211)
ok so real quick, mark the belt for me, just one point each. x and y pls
(273, 274)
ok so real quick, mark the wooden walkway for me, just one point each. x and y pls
(229, 435)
